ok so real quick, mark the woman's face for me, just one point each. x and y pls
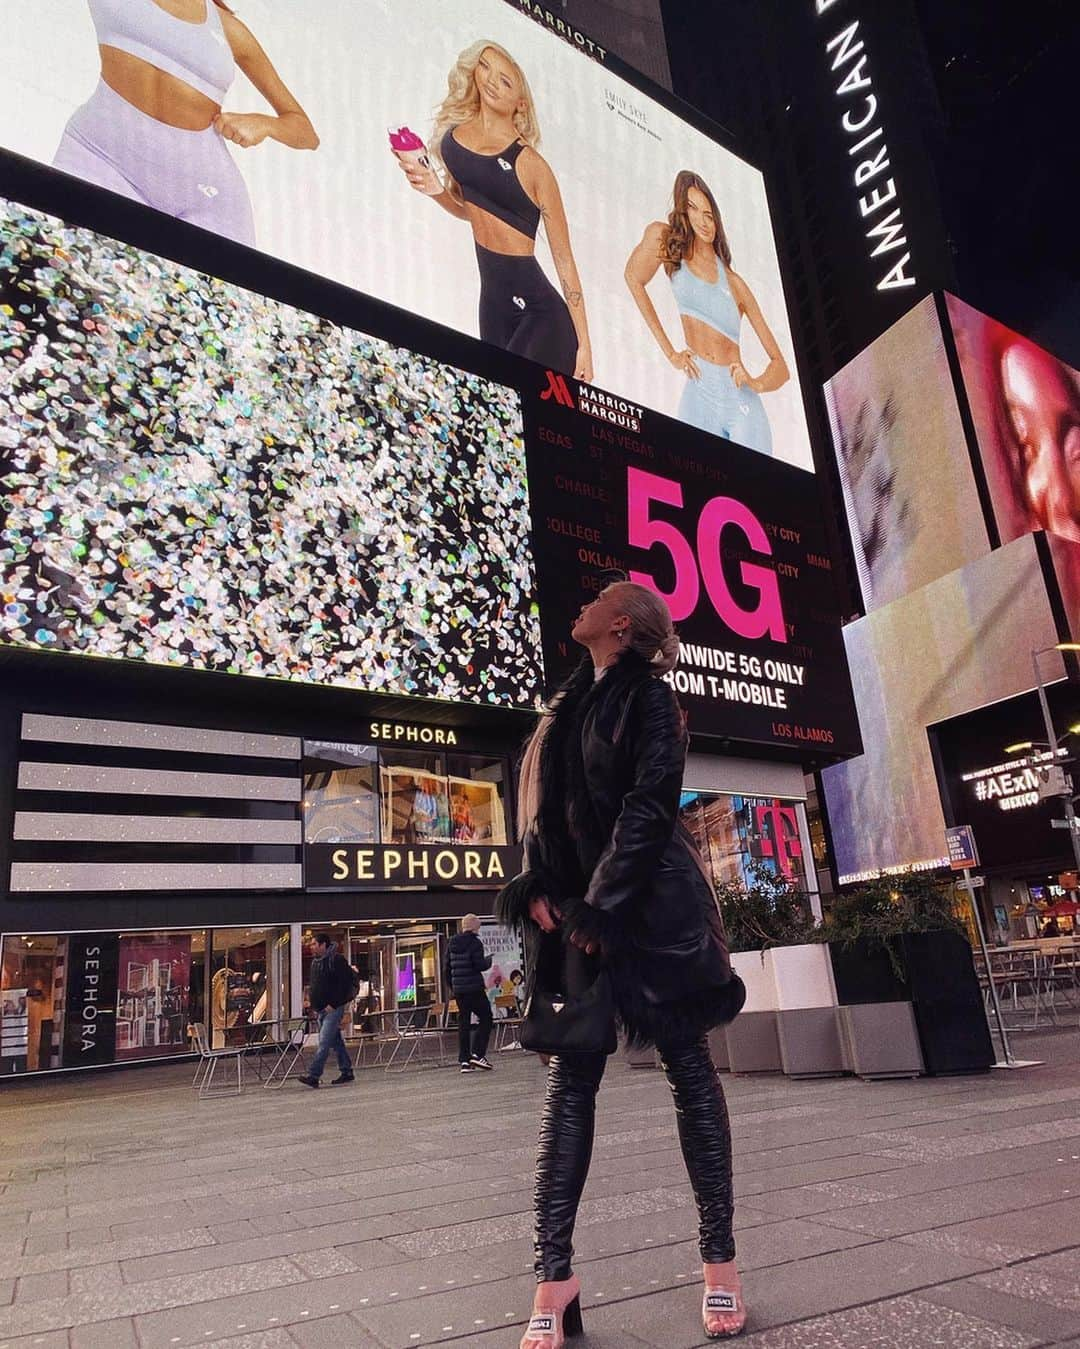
(497, 83)
(700, 215)
(1045, 414)
(598, 618)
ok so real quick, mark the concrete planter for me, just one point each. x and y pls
(880, 1040)
(752, 1038)
(806, 1023)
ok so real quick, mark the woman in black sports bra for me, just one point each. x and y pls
(485, 137)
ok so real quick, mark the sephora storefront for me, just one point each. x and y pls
(289, 557)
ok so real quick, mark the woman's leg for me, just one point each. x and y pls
(749, 424)
(215, 195)
(705, 1136)
(563, 1153)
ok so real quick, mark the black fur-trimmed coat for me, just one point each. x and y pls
(608, 850)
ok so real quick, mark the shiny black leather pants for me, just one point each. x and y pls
(564, 1150)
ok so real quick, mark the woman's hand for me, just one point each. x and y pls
(583, 943)
(421, 179)
(684, 361)
(739, 376)
(246, 129)
(544, 914)
(583, 368)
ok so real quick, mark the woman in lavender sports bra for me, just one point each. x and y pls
(154, 130)
(720, 395)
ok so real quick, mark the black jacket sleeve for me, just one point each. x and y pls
(650, 808)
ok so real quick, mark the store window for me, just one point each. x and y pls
(31, 1003)
(87, 999)
(153, 996)
(737, 834)
(341, 793)
(415, 797)
(367, 795)
(249, 982)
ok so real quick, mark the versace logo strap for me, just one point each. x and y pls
(720, 1302)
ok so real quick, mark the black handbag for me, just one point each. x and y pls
(580, 1023)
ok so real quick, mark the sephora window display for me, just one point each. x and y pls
(199, 476)
(518, 178)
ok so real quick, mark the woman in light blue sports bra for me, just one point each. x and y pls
(720, 395)
(154, 129)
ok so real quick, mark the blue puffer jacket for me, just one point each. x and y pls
(466, 963)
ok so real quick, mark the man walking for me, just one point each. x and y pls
(465, 966)
(331, 988)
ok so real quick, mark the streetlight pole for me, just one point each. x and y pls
(1067, 796)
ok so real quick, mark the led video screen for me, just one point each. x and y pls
(957, 644)
(909, 491)
(198, 476)
(995, 788)
(453, 157)
(1025, 404)
(736, 546)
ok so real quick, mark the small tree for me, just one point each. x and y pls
(877, 913)
(768, 911)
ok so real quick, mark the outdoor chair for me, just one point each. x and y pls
(414, 1028)
(290, 1053)
(209, 1059)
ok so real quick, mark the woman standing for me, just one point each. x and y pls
(611, 872)
(720, 395)
(154, 130)
(485, 137)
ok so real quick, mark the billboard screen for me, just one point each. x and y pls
(956, 645)
(198, 476)
(734, 543)
(1025, 405)
(909, 490)
(455, 158)
(995, 788)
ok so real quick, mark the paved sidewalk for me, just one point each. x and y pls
(395, 1212)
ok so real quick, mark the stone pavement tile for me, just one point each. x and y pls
(1025, 1233)
(961, 1203)
(371, 1254)
(220, 1254)
(7, 1292)
(95, 1278)
(332, 1332)
(80, 1255)
(45, 1243)
(262, 1339)
(595, 1338)
(898, 1323)
(116, 1334)
(451, 1315)
(1052, 1279)
(840, 1279)
(53, 1339)
(131, 1300)
(321, 1264)
(37, 1287)
(1031, 1316)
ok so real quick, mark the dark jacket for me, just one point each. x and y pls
(466, 963)
(331, 981)
(608, 848)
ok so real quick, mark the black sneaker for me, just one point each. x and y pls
(467, 1068)
(309, 1081)
(345, 1077)
(479, 1061)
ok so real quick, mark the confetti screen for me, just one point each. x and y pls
(195, 475)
